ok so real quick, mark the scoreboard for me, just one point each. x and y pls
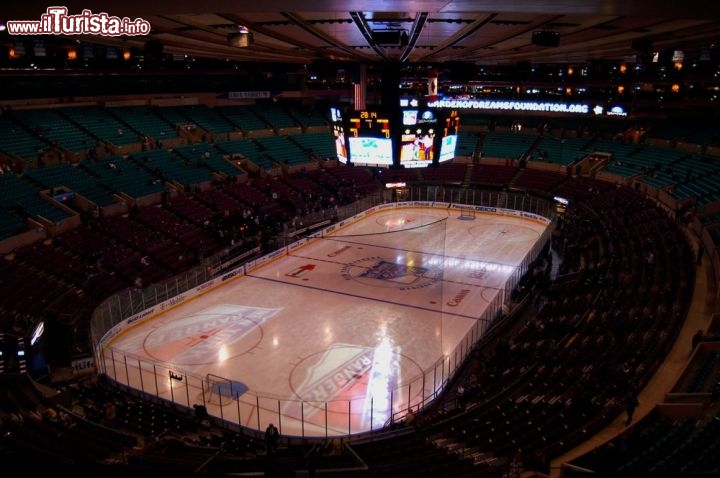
(452, 123)
(411, 136)
(369, 123)
(370, 138)
(448, 142)
(418, 137)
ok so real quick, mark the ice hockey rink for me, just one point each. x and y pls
(337, 333)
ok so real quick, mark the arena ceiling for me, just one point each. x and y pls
(493, 32)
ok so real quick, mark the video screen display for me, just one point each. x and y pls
(370, 138)
(338, 129)
(418, 138)
(413, 137)
(369, 151)
(448, 142)
(340, 146)
(410, 117)
(447, 148)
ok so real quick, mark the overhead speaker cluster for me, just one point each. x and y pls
(545, 38)
(390, 37)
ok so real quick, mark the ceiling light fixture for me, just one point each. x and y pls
(243, 38)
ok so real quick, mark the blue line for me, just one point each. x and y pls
(365, 298)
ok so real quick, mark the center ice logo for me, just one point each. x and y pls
(404, 274)
(380, 272)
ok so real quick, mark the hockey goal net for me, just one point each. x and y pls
(218, 390)
(467, 213)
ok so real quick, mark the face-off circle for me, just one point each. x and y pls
(403, 221)
(195, 340)
(494, 231)
(347, 371)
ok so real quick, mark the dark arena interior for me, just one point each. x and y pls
(148, 149)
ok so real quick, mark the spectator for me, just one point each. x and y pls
(461, 396)
(410, 418)
(631, 403)
(272, 435)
